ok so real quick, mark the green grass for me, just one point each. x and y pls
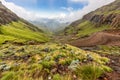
(87, 28)
(57, 63)
(104, 49)
(106, 13)
(20, 31)
(91, 71)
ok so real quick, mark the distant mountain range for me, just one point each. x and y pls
(52, 25)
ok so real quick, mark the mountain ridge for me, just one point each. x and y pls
(106, 18)
(16, 29)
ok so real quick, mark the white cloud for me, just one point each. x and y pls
(20, 11)
(71, 16)
(92, 5)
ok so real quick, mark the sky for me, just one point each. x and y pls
(68, 10)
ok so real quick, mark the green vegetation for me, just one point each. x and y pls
(86, 28)
(49, 61)
(91, 71)
(108, 13)
(103, 49)
(19, 31)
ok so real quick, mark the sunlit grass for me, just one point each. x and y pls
(19, 30)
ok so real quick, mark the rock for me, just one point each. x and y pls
(54, 70)
(16, 64)
(74, 64)
(89, 57)
(47, 58)
(40, 61)
(49, 77)
(7, 68)
(2, 66)
(46, 49)
(72, 51)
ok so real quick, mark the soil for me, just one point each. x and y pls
(115, 65)
(110, 37)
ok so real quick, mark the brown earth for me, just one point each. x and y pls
(109, 37)
(115, 65)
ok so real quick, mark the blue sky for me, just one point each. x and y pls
(67, 10)
(48, 5)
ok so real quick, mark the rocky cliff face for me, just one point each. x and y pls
(109, 14)
(6, 15)
(112, 19)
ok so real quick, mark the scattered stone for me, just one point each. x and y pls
(2, 66)
(89, 57)
(72, 51)
(49, 77)
(7, 68)
(16, 64)
(74, 64)
(46, 49)
(47, 58)
(54, 70)
(74, 76)
(39, 61)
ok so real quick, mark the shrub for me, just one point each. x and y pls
(56, 77)
(89, 72)
(9, 76)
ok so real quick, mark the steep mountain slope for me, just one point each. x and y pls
(104, 18)
(15, 29)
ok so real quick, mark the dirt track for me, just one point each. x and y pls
(100, 38)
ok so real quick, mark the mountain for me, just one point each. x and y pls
(90, 27)
(15, 29)
(52, 25)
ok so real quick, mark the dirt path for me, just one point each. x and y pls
(99, 38)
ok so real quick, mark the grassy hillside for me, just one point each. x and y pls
(50, 62)
(19, 31)
(85, 28)
(106, 17)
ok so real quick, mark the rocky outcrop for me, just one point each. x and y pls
(112, 19)
(6, 16)
(108, 15)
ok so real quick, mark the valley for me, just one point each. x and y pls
(86, 49)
